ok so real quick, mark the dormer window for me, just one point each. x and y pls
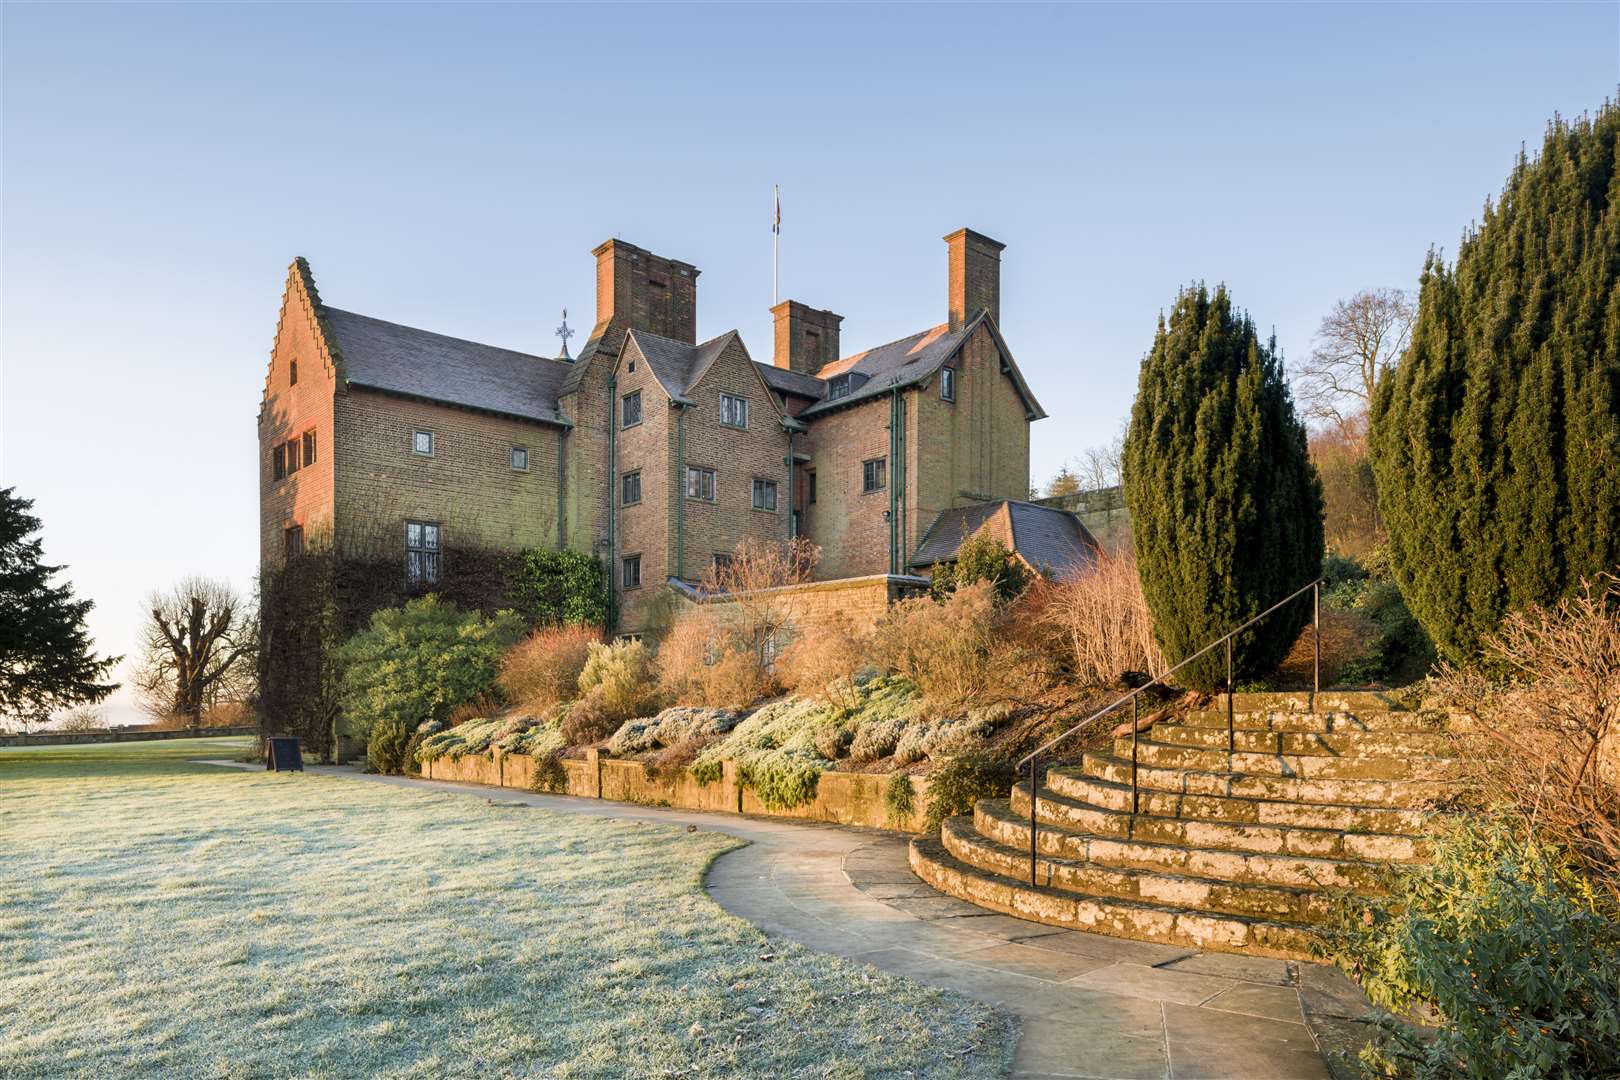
(844, 385)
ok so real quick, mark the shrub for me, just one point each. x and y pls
(623, 674)
(1501, 937)
(899, 801)
(1102, 621)
(551, 587)
(983, 558)
(824, 660)
(674, 726)
(512, 733)
(544, 669)
(958, 783)
(1226, 509)
(955, 652)
(415, 664)
(707, 659)
(1539, 737)
(775, 751)
(1493, 440)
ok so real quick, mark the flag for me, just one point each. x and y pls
(776, 221)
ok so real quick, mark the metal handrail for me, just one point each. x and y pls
(1134, 697)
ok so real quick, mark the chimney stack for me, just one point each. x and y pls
(975, 276)
(806, 338)
(637, 290)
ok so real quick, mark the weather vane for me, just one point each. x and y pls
(565, 333)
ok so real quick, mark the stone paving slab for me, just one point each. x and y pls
(1090, 1006)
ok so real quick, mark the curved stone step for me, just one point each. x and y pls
(1108, 796)
(1303, 701)
(1351, 743)
(1109, 915)
(1402, 794)
(1303, 766)
(1329, 721)
(1061, 811)
(996, 821)
(981, 842)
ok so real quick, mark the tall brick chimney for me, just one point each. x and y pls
(806, 338)
(975, 278)
(637, 290)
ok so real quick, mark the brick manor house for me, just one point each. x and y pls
(653, 451)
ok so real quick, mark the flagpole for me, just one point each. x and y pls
(776, 243)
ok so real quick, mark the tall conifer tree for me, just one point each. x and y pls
(1226, 509)
(1496, 441)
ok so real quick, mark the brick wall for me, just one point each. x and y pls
(468, 485)
(861, 600)
(846, 522)
(305, 497)
(646, 528)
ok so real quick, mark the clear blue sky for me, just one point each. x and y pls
(452, 167)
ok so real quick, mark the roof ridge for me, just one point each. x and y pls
(447, 337)
(896, 341)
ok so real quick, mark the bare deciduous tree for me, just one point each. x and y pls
(1357, 343)
(753, 577)
(198, 649)
(1099, 465)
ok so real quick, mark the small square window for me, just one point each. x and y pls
(292, 373)
(278, 461)
(733, 411)
(947, 383)
(630, 488)
(810, 495)
(765, 495)
(632, 409)
(630, 574)
(520, 458)
(422, 443)
(700, 483)
(874, 474)
(722, 562)
(309, 448)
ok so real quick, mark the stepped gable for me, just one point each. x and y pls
(1230, 848)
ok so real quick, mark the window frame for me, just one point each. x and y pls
(292, 372)
(516, 450)
(764, 483)
(292, 541)
(713, 478)
(624, 488)
(293, 457)
(430, 551)
(810, 487)
(432, 442)
(625, 563)
(947, 384)
(308, 441)
(737, 406)
(624, 410)
(868, 487)
(278, 461)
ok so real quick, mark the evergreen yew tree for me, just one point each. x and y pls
(1496, 440)
(1226, 509)
(45, 658)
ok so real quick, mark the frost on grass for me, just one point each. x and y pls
(164, 919)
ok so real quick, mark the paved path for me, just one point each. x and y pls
(1090, 1005)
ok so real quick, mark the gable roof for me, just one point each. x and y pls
(788, 381)
(419, 363)
(913, 360)
(1045, 537)
(676, 365)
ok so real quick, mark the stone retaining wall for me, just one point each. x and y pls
(841, 798)
(74, 738)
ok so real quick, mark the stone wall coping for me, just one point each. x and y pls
(73, 738)
(830, 585)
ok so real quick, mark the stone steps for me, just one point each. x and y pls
(1234, 850)
(1111, 796)
(1171, 924)
(1303, 766)
(1387, 722)
(1062, 812)
(975, 842)
(1344, 743)
(1411, 794)
(1001, 824)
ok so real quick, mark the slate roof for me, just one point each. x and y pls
(912, 360)
(787, 381)
(421, 364)
(676, 365)
(1045, 537)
